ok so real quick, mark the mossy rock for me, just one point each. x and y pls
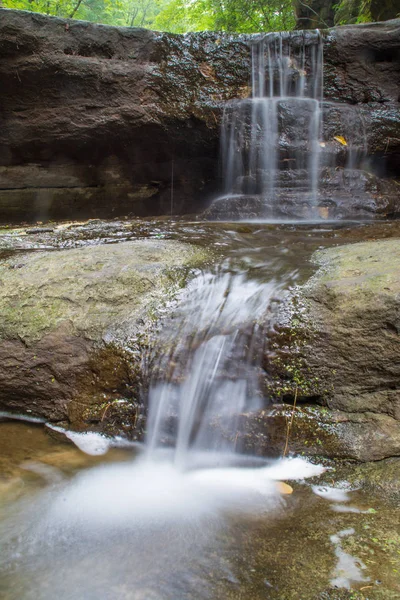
(74, 325)
(336, 343)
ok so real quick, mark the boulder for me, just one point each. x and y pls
(74, 326)
(335, 348)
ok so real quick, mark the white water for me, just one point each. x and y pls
(208, 368)
(205, 372)
(153, 494)
(285, 151)
(283, 85)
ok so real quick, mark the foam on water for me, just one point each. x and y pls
(146, 493)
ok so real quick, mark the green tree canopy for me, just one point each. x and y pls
(243, 16)
(172, 15)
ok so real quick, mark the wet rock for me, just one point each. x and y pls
(343, 194)
(357, 194)
(316, 431)
(75, 324)
(100, 121)
(380, 478)
(235, 208)
(362, 69)
(336, 342)
(35, 230)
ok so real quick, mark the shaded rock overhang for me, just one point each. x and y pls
(101, 121)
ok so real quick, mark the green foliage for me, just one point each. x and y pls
(353, 11)
(177, 16)
(131, 13)
(244, 16)
(365, 11)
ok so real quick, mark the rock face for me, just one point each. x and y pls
(336, 343)
(362, 69)
(104, 121)
(313, 14)
(99, 121)
(74, 326)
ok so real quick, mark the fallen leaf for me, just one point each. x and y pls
(283, 488)
(340, 139)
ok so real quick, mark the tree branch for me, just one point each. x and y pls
(77, 5)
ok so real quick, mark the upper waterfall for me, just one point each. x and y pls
(284, 110)
(281, 146)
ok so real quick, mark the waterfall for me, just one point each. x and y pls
(286, 152)
(271, 142)
(206, 368)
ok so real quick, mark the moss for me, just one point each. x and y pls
(92, 288)
(286, 366)
(361, 269)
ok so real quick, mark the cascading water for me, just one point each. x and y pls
(271, 142)
(205, 371)
(208, 368)
(285, 152)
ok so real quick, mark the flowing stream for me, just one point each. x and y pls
(188, 515)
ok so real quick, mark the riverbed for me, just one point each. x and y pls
(109, 525)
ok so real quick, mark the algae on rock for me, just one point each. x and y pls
(343, 351)
(74, 324)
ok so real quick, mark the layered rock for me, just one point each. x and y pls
(105, 121)
(100, 121)
(74, 328)
(336, 344)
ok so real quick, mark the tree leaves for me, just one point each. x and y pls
(179, 16)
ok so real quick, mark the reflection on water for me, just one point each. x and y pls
(135, 529)
(349, 568)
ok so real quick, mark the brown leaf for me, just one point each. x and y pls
(207, 71)
(283, 488)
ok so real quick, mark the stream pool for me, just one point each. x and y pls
(113, 524)
(72, 527)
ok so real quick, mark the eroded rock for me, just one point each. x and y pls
(74, 325)
(100, 121)
(336, 343)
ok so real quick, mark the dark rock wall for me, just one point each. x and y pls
(362, 68)
(98, 121)
(313, 14)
